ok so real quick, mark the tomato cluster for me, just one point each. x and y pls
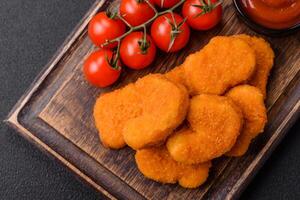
(169, 31)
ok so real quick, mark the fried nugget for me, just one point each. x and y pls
(164, 106)
(264, 61)
(157, 164)
(250, 100)
(223, 63)
(140, 114)
(215, 123)
(111, 112)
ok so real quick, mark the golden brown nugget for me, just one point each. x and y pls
(140, 114)
(223, 63)
(264, 61)
(215, 123)
(111, 112)
(251, 102)
(164, 105)
(157, 164)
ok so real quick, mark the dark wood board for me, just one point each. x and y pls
(56, 115)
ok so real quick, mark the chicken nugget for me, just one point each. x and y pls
(250, 100)
(164, 106)
(264, 61)
(157, 164)
(215, 123)
(141, 114)
(223, 63)
(111, 112)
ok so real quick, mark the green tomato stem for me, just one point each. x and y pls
(134, 28)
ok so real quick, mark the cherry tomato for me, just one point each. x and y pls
(170, 35)
(202, 16)
(136, 52)
(98, 69)
(165, 3)
(102, 28)
(136, 12)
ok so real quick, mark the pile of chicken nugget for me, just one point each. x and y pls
(209, 106)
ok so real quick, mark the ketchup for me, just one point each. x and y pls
(275, 14)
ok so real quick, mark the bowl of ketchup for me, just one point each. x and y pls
(270, 17)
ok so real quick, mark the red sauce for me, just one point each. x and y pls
(275, 14)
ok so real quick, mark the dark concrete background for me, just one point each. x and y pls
(30, 33)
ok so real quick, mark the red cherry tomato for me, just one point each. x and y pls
(136, 12)
(136, 52)
(165, 3)
(202, 17)
(170, 35)
(102, 28)
(99, 71)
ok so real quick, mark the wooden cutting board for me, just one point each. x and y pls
(56, 115)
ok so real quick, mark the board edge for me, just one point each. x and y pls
(12, 122)
(11, 118)
(264, 154)
(60, 52)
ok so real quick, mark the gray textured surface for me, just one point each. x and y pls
(30, 33)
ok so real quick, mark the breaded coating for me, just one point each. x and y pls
(264, 61)
(157, 164)
(141, 114)
(223, 63)
(215, 123)
(164, 105)
(176, 75)
(250, 100)
(111, 112)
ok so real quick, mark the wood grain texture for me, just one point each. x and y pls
(56, 114)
